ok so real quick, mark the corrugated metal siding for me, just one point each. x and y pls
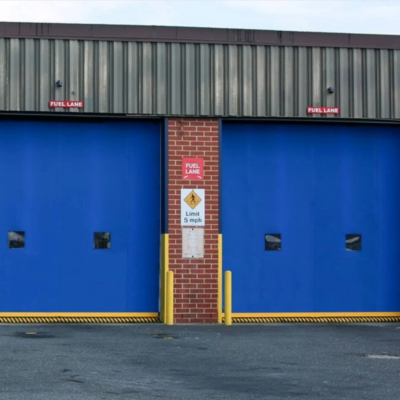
(198, 79)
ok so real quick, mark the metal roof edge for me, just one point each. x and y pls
(167, 34)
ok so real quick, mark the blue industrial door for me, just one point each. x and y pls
(79, 216)
(311, 217)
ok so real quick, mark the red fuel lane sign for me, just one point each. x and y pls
(66, 104)
(193, 169)
(323, 110)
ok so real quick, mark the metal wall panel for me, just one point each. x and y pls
(274, 91)
(396, 84)
(189, 89)
(198, 79)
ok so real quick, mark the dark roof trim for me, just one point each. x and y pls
(194, 35)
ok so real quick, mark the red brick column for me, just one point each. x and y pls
(196, 281)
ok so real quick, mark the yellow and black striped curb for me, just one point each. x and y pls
(307, 320)
(79, 320)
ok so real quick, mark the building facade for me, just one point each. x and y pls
(130, 151)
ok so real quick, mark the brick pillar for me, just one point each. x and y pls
(196, 280)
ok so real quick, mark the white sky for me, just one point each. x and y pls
(316, 15)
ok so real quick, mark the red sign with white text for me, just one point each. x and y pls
(66, 104)
(323, 110)
(193, 169)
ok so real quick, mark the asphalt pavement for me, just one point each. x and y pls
(68, 362)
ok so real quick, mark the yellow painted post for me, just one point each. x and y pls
(220, 278)
(170, 298)
(228, 298)
(162, 280)
(164, 270)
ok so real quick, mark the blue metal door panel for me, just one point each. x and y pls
(61, 182)
(313, 184)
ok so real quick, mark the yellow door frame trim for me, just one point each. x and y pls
(316, 317)
(80, 314)
(78, 317)
(220, 278)
(316, 314)
(164, 268)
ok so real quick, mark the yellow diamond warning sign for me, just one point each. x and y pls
(193, 211)
(192, 199)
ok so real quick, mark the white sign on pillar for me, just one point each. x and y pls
(193, 242)
(193, 207)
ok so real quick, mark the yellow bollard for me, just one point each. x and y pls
(228, 298)
(170, 298)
